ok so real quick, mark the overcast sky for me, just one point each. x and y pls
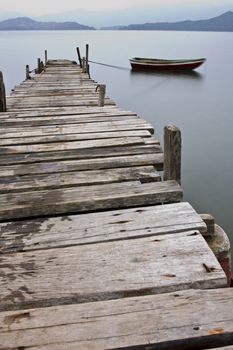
(54, 6)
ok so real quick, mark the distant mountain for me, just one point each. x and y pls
(159, 11)
(222, 23)
(25, 23)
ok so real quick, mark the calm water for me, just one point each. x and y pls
(200, 104)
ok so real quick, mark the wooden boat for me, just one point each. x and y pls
(153, 64)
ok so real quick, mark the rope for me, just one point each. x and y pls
(109, 65)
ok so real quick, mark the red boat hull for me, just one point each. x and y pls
(184, 66)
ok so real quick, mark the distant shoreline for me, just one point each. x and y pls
(222, 23)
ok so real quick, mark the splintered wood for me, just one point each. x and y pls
(96, 251)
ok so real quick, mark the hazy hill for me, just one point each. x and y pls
(158, 11)
(25, 23)
(222, 23)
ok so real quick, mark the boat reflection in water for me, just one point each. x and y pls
(189, 74)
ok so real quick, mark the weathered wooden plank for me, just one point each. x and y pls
(82, 164)
(109, 270)
(118, 125)
(34, 93)
(95, 114)
(74, 145)
(82, 81)
(190, 319)
(74, 118)
(61, 102)
(53, 98)
(32, 122)
(90, 177)
(63, 111)
(104, 152)
(87, 198)
(172, 153)
(54, 92)
(75, 137)
(98, 227)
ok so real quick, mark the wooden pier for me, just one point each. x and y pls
(98, 250)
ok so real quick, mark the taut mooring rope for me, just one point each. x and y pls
(110, 65)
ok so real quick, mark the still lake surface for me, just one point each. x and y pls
(200, 104)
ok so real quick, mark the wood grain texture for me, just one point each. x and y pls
(83, 178)
(175, 321)
(64, 111)
(84, 154)
(8, 132)
(99, 227)
(172, 153)
(73, 137)
(109, 270)
(81, 164)
(87, 198)
(74, 145)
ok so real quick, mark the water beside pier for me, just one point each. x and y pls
(200, 104)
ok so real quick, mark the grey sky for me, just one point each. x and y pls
(55, 6)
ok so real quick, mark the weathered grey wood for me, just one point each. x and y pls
(66, 119)
(84, 65)
(172, 153)
(87, 198)
(38, 65)
(98, 227)
(90, 177)
(196, 319)
(79, 57)
(117, 125)
(87, 54)
(102, 90)
(109, 270)
(45, 57)
(2, 94)
(74, 137)
(81, 164)
(210, 223)
(28, 72)
(66, 111)
(75, 145)
(65, 102)
(81, 128)
(90, 91)
(39, 98)
(82, 154)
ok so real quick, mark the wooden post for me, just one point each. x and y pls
(79, 57)
(210, 223)
(2, 94)
(41, 66)
(172, 153)
(27, 72)
(88, 71)
(45, 57)
(102, 90)
(38, 65)
(84, 65)
(87, 55)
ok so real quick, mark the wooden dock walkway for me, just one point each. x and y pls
(97, 251)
